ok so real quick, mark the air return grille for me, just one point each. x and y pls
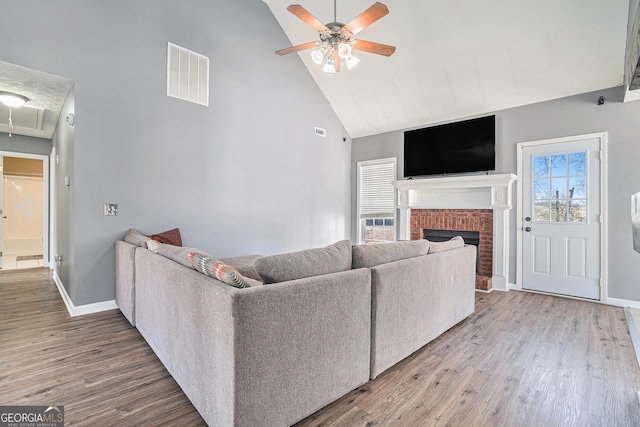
(187, 75)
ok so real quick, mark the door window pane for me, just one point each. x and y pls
(577, 187)
(541, 188)
(578, 163)
(541, 211)
(559, 211)
(559, 165)
(559, 188)
(540, 166)
(578, 211)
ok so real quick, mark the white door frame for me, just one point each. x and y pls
(602, 137)
(45, 198)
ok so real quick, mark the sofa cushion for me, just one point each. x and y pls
(308, 263)
(136, 238)
(383, 253)
(169, 237)
(455, 242)
(212, 267)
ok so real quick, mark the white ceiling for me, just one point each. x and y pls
(461, 58)
(46, 92)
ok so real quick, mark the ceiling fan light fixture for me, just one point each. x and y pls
(344, 50)
(329, 66)
(351, 61)
(318, 55)
(13, 100)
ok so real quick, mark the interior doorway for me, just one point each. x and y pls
(24, 196)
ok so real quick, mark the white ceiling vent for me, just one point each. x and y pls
(187, 75)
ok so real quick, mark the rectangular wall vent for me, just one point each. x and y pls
(187, 75)
(321, 132)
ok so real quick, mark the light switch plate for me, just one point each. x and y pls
(110, 209)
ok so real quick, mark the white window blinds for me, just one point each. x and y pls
(376, 191)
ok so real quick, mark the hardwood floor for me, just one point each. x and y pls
(97, 366)
(520, 360)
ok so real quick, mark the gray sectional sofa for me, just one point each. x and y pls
(327, 321)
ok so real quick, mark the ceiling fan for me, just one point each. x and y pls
(336, 42)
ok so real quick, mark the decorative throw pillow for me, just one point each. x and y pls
(169, 237)
(212, 267)
(371, 255)
(152, 245)
(136, 238)
(455, 242)
(311, 262)
(179, 254)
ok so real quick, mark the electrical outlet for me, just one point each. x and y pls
(110, 209)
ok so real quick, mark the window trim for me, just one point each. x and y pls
(360, 165)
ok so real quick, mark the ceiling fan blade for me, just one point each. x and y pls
(366, 18)
(308, 18)
(297, 48)
(336, 61)
(372, 47)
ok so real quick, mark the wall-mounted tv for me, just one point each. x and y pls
(467, 146)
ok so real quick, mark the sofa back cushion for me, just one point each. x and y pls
(308, 263)
(136, 238)
(371, 255)
(455, 242)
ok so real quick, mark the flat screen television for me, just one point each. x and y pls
(467, 146)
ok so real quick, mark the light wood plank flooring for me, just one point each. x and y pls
(520, 360)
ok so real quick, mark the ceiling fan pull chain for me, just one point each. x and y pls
(10, 122)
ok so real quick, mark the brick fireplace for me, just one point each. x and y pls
(465, 203)
(480, 220)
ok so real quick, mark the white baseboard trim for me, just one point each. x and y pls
(81, 309)
(482, 291)
(622, 302)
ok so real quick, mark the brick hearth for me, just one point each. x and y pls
(480, 220)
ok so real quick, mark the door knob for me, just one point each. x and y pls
(528, 229)
(527, 219)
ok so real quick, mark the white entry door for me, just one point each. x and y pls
(561, 217)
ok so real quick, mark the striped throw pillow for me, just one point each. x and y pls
(212, 267)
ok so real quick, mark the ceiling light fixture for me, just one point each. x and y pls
(12, 100)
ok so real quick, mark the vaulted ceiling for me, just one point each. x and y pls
(462, 58)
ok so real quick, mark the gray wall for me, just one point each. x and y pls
(244, 175)
(63, 141)
(575, 115)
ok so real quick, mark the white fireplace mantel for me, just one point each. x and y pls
(464, 192)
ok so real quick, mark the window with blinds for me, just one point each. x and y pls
(376, 200)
